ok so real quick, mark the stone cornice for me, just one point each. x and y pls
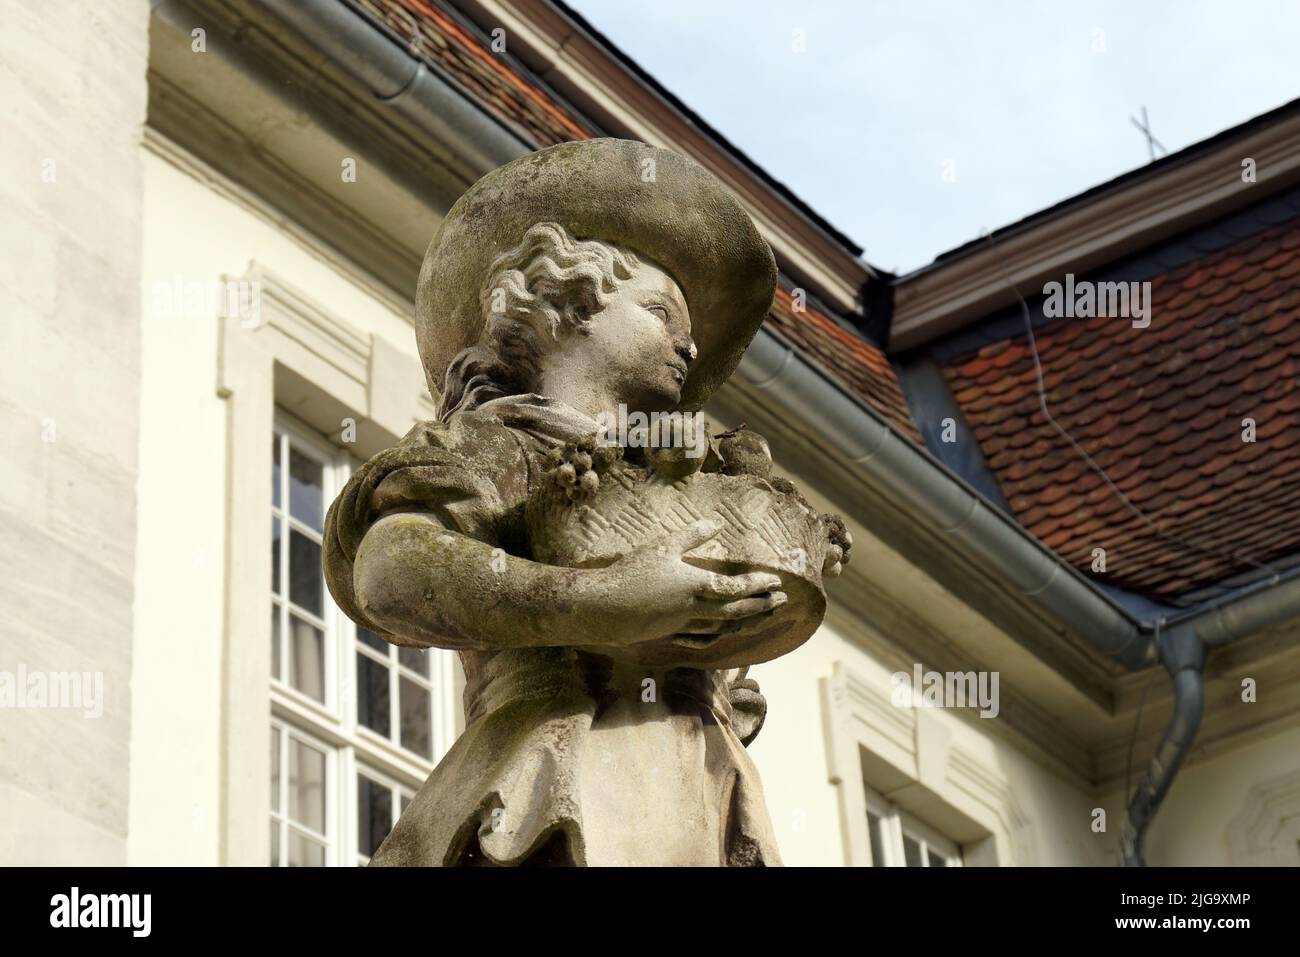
(1173, 196)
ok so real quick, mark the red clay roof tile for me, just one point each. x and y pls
(1161, 409)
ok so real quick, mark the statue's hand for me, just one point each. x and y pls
(748, 709)
(652, 593)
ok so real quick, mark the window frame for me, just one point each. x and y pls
(333, 725)
(401, 794)
(285, 825)
(895, 824)
(332, 621)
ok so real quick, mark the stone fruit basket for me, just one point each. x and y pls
(587, 520)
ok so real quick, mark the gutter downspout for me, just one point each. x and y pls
(1182, 652)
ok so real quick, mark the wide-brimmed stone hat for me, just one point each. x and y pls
(650, 200)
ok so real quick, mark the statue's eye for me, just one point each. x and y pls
(660, 311)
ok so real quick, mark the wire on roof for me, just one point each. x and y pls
(1137, 512)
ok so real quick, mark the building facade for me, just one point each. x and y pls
(219, 213)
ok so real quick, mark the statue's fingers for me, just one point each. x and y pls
(749, 607)
(741, 586)
(710, 626)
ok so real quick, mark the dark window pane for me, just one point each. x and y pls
(417, 659)
(306, 786)
(911, 851)
(877, 841)
(368, 637)
(374, 814)
(305, 493)
(936, 860)
(414, 702)
(306, 580)
(372, 695)
(275, 844)
(275, 470)
(307, 658)
(275, 556)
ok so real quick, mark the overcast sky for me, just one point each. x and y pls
(1021, 103)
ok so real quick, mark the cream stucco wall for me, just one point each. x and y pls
(178, 773)
(792, 756)
(1240, 806)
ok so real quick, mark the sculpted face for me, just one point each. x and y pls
(636, 350)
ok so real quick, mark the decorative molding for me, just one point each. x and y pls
(360, 375)
(310, 324)
(896, 637)
(857, 711)
(301, 355)
(374, 261)
(1267, 829)
(1174, 197)
(918, 763)
(990, 789)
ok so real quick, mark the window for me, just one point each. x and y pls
(377, 797)
(301, 769)
(900, 840)
(357, 724)
(394, 694)
(298, 594)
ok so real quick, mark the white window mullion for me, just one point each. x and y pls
(333, 726)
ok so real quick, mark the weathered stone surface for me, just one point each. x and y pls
(606, 589)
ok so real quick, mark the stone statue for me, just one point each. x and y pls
(606, 569)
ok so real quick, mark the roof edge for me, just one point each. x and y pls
(589, 71)
(1156, 201)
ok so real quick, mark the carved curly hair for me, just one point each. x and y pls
(546, 287)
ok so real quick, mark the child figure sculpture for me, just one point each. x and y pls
(604, 601)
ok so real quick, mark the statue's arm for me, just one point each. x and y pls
(414, 578)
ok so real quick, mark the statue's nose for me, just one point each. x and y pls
(687, 350)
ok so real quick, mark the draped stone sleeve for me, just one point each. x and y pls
(470, 474)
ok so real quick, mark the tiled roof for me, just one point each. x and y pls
(854, 361)
(1161, 409)
(460, 53)
(515, 97)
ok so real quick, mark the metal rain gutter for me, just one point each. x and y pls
(985, 534)
(991, 538)
(395, 77)
(400, 80)
(1183, 648)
